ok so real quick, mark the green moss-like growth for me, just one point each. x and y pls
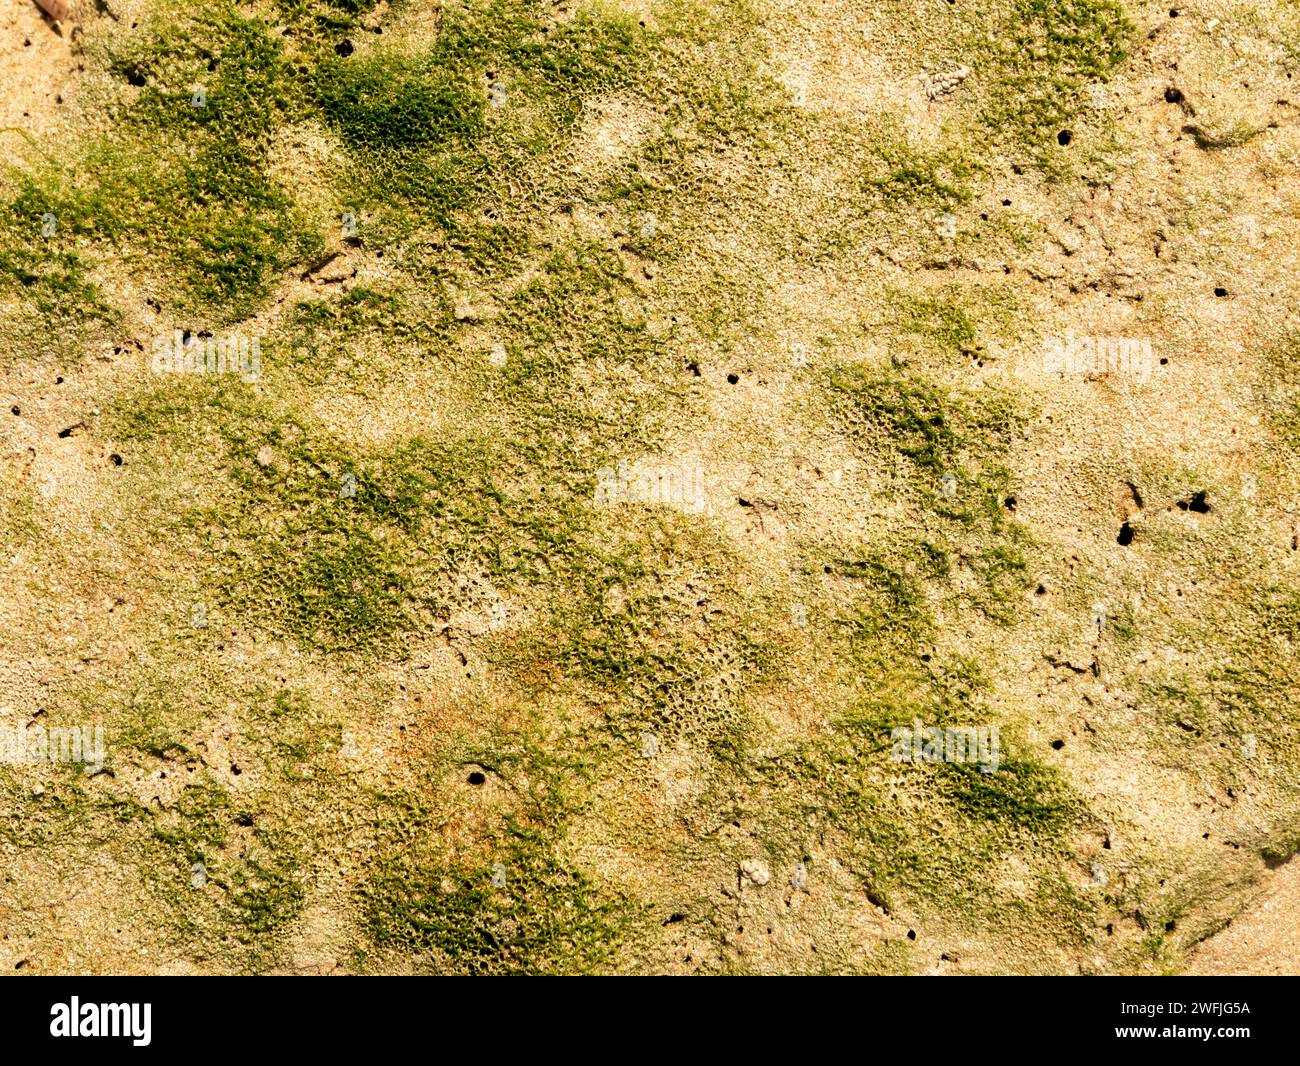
(1018, 795)
(545, 918)
(385, 103)
(952, 446)
(516, 905)
(1047, 53)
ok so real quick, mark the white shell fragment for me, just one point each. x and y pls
(937, 85)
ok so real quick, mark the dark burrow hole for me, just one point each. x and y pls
(732, 379)
(1170, 926)
(116, 459)
(15, 409)
(1198, 504)
(911, 934)
(1064, 137)
(344, 48)
(476, 778)
(694, 368)
(1041, 590)
(1125, 537)
(1173, 95)
(673, 919)
(1009, 503)
(245, 820)
(134, 77)
(1057, 745)
(1220, 291)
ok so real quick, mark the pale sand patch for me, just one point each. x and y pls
(1265, 940)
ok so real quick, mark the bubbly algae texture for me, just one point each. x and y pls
(650, 479)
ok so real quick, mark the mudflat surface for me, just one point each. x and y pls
(660, 409)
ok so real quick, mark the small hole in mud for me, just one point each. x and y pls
(1064, 137)
(236, 770)
(1220, 292)
(1006, 203)
(1009, 503)
(1173, 95)
(15, 409)
(1041, 590)
(673, 919)
(1173, 12)
(1164, 362)
(1198, 504)
(134, 77)
(1057, 745)
(344, 48)
(694, 368)
(911, 934)
(476, 778)
(732, 379)
(1170, 926)
(117, 459)
(245, 820)
(1125, 537)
